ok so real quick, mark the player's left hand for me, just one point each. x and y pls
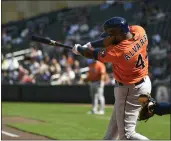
(75, 49)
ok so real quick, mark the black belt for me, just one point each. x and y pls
(139, 82)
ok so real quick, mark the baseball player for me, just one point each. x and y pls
(96, 77)
(125, 47)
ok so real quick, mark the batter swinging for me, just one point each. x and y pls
(125, 47)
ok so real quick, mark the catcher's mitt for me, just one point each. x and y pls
(147, 109)
(144, 113)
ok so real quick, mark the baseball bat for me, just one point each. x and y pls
(49, 42)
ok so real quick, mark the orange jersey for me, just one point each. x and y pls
(129, 57)
(96, 70)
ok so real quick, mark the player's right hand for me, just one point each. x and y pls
(87, 45)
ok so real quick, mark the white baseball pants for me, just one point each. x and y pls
(126, 110)
(97, 95)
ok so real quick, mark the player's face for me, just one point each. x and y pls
(116, 33)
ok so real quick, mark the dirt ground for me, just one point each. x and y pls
(10, 133)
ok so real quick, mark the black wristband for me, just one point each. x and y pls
(95, 53)
(87, 52)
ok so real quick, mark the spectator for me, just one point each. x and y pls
(43, 74)
(47, 59)
(83, 26)
(107, 4)
(55, 68)
(69, 60)
(94, 32)
(76, 66)
(63, 61)
(73, 28)
(5, 37)
(24, 77)
(68, 76)
(35, 53)
(4, 63)
(24, 33)
(12, 63)
(5, 79)
(34, 66)
(156, 38)
(127, 6)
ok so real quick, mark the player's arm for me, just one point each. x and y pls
(101, 54)
(97, 43)
(101, 43)
(103, 75)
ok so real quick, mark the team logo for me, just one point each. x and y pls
(103, 53)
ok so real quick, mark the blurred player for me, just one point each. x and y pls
(125, 46)
(96, 77)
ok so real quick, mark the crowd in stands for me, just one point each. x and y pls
(150, 12)
(40, 68)
(49, 65)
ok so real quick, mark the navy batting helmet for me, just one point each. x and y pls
(115, 22)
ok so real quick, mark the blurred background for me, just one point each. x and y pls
(28, 63)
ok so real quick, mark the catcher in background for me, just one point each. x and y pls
(152, 107)
(96, 77)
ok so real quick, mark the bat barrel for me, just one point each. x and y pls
(49, 42)
(40, 39)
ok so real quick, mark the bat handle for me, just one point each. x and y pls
(62, 45)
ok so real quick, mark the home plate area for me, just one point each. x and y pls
(10, 133)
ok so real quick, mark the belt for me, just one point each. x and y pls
(137, 83)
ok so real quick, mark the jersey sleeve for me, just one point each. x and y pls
(107, 55)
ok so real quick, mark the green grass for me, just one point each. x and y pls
(67, 121)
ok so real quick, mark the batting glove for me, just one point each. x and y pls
(75, 49)
(87, 45)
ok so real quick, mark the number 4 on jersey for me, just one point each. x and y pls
(140, 62)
